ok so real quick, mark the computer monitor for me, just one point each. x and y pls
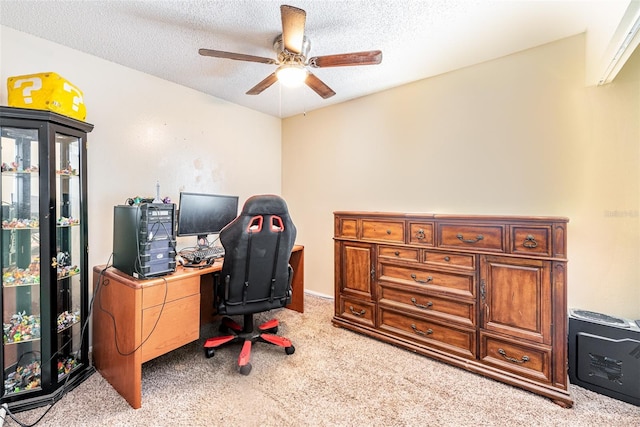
(201, 214)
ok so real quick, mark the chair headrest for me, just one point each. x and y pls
(265, 204)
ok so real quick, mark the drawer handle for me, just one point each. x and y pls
(513, 359)
(429, 304)
(415, 278)
(397, 253)
(476, 240)
(530, 242)
(419, 332)
(447, 259)
(357, 313)
(420, 234)
(388, 231)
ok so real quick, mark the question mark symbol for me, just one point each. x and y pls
(36, 84)
(76, 99)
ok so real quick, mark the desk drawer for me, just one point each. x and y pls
(175, 289)
(169, 326)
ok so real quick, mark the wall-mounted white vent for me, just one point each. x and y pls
(624, 42)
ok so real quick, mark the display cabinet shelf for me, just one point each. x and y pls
(43, 256)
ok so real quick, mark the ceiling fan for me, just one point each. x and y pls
(292, 47)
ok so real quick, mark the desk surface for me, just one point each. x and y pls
(296, 261)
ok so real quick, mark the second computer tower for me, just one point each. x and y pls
(144, 239)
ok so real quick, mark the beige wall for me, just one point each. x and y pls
(517, 135)
(149, 130)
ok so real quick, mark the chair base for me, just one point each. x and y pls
(237, 333)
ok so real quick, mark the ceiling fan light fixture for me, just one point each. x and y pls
(291, 75)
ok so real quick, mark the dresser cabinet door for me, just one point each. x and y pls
(515, 297)
(355, 269)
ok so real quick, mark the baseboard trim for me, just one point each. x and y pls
(318, 294)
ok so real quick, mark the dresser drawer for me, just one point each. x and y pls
(522, 359)
(531, 240)
(357, 311)
(455, 340)
(448, 309)
(421, 233)
(346, 227)
(388, 231)
(450, 259)
(471, 237)
(432, 280)
(402, 253)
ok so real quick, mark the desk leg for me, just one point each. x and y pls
(120, 364)
(297, 284)
(207, 308)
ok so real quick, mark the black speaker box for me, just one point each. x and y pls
(144, 239)
(604, 355)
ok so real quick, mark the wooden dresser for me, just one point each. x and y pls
(485, 293)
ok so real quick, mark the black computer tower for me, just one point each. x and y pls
(144, 239)
(604, 355)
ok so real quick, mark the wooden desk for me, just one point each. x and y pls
(135, 321)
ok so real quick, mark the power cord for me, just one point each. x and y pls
(105, 282)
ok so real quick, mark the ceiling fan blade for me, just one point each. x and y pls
(319, 86)
(264, 84)
(370, 57)
(236, 56)
(293, 21)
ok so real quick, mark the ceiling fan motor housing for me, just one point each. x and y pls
(284, 55)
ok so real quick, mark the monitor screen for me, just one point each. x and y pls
(202, 214)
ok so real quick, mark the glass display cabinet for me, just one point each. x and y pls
(43, 247)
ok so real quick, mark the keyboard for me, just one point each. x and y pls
(203, 254)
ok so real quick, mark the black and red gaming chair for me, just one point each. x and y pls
(256, 275)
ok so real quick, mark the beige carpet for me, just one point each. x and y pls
(335, 378)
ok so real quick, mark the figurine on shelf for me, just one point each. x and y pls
(63, 259)
(66, 222)
(20, 223)
(13, 276)
(25, 377)
(67, 271)
(69, 170)
(67, 319)
(21, 327)
(66, 365)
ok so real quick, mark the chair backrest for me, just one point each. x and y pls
(256, 275)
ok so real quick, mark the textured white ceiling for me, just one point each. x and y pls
(418, 38)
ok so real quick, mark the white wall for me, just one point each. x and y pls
(519, 135)
(148, 130)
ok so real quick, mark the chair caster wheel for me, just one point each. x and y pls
(245, 369)
(209, 352)
(290, 350)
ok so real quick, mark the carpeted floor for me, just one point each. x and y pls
(335, 378)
